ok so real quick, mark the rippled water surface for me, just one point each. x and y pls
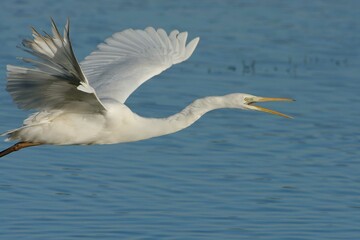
(233, 174)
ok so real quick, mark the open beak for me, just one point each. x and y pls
(251, 100)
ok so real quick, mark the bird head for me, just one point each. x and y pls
(247, 102)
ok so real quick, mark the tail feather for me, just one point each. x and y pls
(12, 134)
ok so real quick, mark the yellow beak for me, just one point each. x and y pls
(251, 100)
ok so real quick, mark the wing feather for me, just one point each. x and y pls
(129, 58)
(56, 81)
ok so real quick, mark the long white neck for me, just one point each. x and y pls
(153, 127)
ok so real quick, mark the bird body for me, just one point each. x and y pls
(118, 124)
(84, 103)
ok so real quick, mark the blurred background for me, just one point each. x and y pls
(233, 174)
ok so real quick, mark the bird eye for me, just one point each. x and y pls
(247, 100)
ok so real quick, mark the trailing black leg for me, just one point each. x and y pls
(17, 146)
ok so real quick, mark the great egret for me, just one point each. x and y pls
(84, 104)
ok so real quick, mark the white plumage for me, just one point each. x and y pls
(84, 103)
(129, 58)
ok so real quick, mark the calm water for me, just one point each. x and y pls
(232, 175)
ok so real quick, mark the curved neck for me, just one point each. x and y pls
(195, 111)
(185, 118)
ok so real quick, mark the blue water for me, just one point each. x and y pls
(233, 174)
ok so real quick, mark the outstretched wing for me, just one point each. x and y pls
(57, 81)
(131, 57)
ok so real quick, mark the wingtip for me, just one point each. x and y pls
(195, 40)
(182, 37)
(67, 24)
(52, 20)
(191, 46)
(67, 28)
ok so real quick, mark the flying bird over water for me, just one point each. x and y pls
(84, 103)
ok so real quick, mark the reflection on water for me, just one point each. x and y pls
(234, 174)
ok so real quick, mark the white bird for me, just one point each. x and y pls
(84, 104)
